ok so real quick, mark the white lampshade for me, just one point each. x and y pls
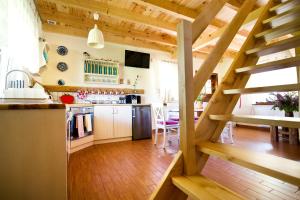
(95, 38)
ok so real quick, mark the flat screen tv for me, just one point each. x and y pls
(137, 59)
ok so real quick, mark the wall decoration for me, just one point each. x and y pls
(62, 66)
(62, 50)
(61, 82)
(101, 71)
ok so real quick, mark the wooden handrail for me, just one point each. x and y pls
(214, 57)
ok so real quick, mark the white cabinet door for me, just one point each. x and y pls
(103, 122)
(122, 121)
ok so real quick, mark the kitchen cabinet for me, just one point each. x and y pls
(122, 121)
(103, 122)
(112, 121)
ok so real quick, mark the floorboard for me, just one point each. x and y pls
(130, 170)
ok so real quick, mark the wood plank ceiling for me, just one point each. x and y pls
(142, 23)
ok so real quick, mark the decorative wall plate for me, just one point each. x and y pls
(61, 82)
(62, 50)
(62, 66)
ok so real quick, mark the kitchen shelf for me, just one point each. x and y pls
(99, 71)
(58, 88)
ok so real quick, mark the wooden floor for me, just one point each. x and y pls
(130, 170)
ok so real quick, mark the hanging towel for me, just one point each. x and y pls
(43, 51)
(88, 122)
(79, 125)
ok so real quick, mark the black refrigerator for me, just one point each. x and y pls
(141, 122)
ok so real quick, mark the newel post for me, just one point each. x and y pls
(186, 96)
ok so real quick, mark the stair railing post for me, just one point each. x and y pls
(186, 96)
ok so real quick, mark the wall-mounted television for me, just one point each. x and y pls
(137, 59)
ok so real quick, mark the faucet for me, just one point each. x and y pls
(30, 83)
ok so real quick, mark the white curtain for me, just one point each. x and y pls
(3, 42)
(19, 37)
(23, 35)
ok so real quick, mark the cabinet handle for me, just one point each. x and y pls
(133, 113)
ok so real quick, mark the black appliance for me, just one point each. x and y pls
(141, 122)
(133, 99)
(137, 59)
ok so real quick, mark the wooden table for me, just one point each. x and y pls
(292, 133)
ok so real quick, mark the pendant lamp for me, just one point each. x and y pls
(95, 37)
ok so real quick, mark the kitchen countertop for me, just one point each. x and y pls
(89, 105)
(31, 106)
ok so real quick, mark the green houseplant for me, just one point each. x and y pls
(288, 102)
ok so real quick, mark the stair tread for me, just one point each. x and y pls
(292, 122)
(266, 89)
(277, 167)
(293, 11)
(281, 30)
(283, 7)
(200, 187)
(275, 65)
(275, 47)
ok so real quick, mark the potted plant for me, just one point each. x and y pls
(287, 102)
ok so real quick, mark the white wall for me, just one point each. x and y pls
(160, 82)
(161, 75)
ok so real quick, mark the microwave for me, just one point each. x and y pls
(133, 99)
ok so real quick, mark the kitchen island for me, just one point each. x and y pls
(33, 151)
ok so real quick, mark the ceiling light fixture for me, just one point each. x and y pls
(95, 37)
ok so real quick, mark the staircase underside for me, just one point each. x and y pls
(276, 29)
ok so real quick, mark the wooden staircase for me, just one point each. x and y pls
(275, 30)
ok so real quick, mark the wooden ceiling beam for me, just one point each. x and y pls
(120, 13)
(231, 53)
(218, 23)
(123, 40)
(108, 37)
(171, 8)
(85, 23)
(178, 11)
(200, 55)
(234, 4)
